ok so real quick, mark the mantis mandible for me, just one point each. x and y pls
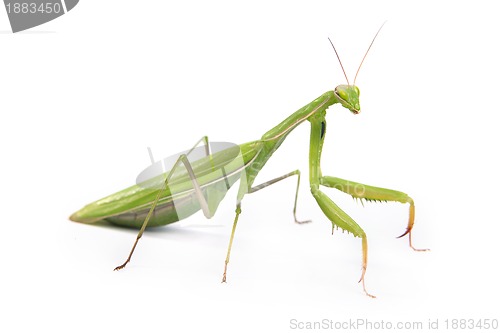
(189, 183)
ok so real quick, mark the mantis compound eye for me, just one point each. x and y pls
(357, 90)
(341, 93)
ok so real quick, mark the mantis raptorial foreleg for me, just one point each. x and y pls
(336, 215)
(340, 219)
(362, 191)
(253, 190)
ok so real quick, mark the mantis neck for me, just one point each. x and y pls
(271, 141)
(319, 105)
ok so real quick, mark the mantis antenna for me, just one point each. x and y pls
(369, 47)
(339, 60)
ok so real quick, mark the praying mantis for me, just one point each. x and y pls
(193, 185)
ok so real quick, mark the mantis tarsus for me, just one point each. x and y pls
(145, 206)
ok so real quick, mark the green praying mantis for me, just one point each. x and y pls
(200, 184)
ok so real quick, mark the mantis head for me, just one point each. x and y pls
(348, 96)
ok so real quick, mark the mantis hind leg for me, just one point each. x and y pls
(253, 190)
(372, 193)
(199, 195)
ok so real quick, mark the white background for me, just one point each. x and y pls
(82, 97)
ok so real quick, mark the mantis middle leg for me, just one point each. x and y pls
(253, 190)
